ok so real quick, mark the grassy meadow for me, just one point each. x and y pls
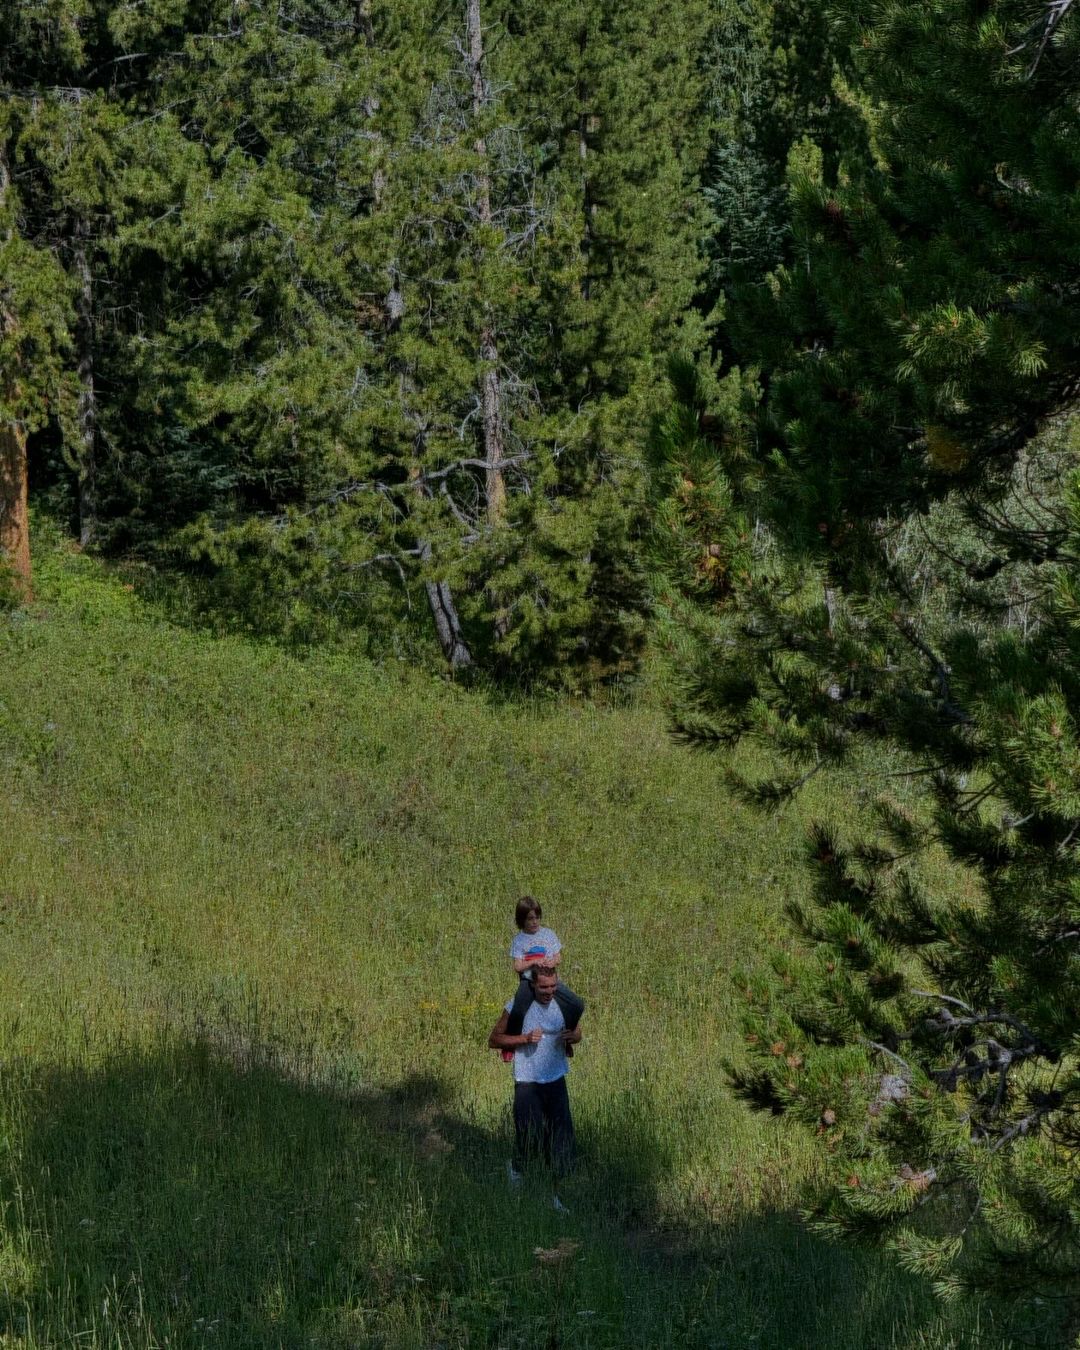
(254, 916)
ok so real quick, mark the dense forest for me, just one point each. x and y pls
(349, 312)
(551, 343)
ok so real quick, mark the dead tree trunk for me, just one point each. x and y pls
(440, 598)
(86, 406)
(364, 25)
(14, 515)
(447, 623)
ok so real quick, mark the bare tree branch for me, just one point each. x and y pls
(433, 475)
(1042, 31)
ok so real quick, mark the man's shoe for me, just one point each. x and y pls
(558, 1206)
(514, 1177)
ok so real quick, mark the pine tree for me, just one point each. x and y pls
(457, 225)
(742, 183)
(912, 602)
(614, 96)
(586, 295)
(699, 542)
(34, 297)
(71, 140)
(246, 198)
(777, 77)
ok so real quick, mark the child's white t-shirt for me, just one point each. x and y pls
(541, 943)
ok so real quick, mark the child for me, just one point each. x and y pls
(533, 946)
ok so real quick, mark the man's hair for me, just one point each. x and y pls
(545, 970)
(526, 906)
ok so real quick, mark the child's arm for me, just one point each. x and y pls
(548, 959)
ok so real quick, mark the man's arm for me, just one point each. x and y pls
(500, 1040)
(571, 1037)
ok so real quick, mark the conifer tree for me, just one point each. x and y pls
(486, 475)
(14, 481)
(615, 97)
(776, 77)
(912, 600)
(587, 295)
(72, 140)
(77, 88)
(246, 198)
(742, 182)
(457, 226)
(35, 309)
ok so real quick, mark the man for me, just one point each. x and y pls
(542, 1122)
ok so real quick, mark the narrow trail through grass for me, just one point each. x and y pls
(254, 914)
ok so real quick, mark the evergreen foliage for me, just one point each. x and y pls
(365, 305)
(617, 103)
(777, 79)
(913, 593)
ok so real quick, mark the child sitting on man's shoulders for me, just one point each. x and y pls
(534, 945)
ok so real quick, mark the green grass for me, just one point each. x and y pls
(254, 919)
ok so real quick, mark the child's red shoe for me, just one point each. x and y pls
(507, 1056)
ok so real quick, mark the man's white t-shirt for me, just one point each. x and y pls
(541, 943)
(545, 1061)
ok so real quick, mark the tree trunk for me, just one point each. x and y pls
(491, 386)
(447, 623)
(14, 516)
(86, 408)
(494, 451)
(441, 601)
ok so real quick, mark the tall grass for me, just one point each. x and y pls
(255, 913)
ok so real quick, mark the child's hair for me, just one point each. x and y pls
(526, 906)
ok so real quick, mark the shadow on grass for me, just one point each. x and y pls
(206, 1192)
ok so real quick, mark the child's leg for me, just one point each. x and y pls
(522, 1002)
(572, 1006)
